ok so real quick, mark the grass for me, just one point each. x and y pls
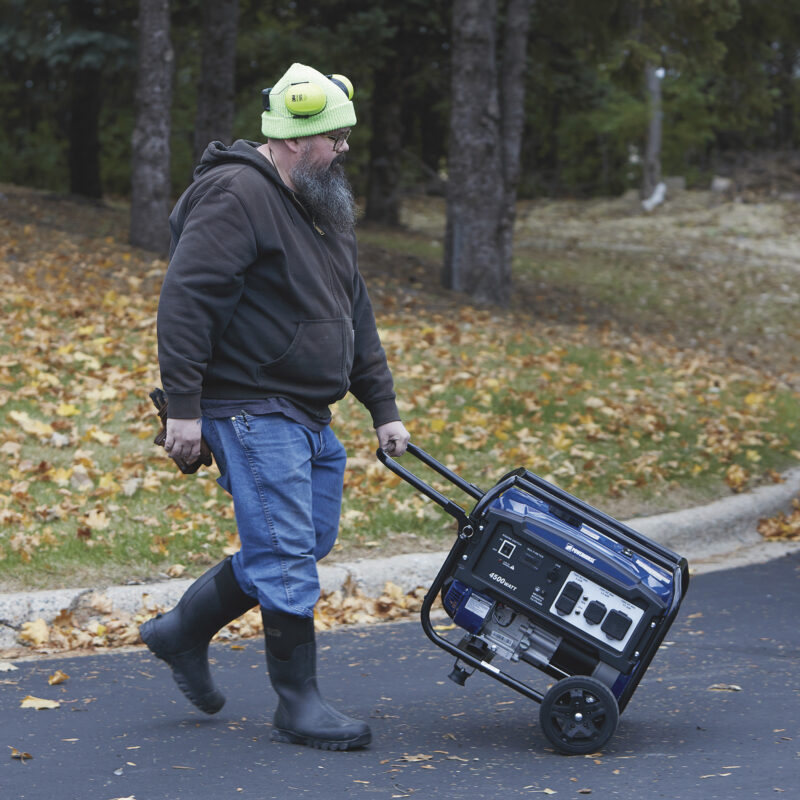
(629, 422)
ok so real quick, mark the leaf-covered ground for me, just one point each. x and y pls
(605, 404)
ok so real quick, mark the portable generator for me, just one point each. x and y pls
(537, 577)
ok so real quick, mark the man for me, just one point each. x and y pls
(263, 322)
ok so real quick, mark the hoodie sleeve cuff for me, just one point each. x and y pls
(383, 412)
(184, 406)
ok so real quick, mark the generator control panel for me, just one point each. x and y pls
(564, 580)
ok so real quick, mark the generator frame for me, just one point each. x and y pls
(579, 713)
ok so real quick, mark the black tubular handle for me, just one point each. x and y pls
(448, 505)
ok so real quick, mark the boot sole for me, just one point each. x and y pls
(148, 636)
(322, 744)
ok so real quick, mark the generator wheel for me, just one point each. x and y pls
(579, 715)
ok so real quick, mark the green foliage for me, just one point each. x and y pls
(731, 81)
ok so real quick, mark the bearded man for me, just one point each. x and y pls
(263, 322)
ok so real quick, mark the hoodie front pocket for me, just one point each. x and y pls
(316, 364)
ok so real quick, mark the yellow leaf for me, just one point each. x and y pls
(737, 477)
(438, 425)
(31, 426)
(99, 436)
(57, 678)
(104, 393)
(39, 703)
(97, 520)
(60, 476)
(754, 399)
(67, 410)
(19, 754)
(35, 632)
(108, 483)
(90, 361)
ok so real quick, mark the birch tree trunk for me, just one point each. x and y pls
(485, 138)
(150, 179)
(652, 159)
(215, 95)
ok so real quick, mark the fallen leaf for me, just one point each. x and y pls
(57, 678)
(36, 632)
(38, 703)
(97, 520)
(724, 687)
(737, 477)
(20, 755)
(7, 666)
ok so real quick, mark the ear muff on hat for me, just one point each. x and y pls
(305, 99)
(343, 83)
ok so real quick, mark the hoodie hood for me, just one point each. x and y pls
(241, 151)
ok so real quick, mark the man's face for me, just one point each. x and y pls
(318, 177)
(325, 149)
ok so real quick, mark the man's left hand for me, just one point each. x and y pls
(393, 438)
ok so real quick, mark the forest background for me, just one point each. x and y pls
(643, 360)
(729, 83)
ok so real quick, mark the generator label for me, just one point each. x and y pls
(478, 606)
(503, 582)
(537, 598)
(574, 550)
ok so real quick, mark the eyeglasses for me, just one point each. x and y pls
(338, 139)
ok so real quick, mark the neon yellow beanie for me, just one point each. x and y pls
(307, 90)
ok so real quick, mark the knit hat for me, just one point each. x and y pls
(318, 104)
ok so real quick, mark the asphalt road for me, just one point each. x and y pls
(123, 731)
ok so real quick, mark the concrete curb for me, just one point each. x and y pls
(711, 537)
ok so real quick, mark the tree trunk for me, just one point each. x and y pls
(512, 106)
(84, 113)
(215, 96)
(150, 191)
(485, 137)
(383, 180)
(652, 158)
(84, 138)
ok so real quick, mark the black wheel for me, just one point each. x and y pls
(579, 715)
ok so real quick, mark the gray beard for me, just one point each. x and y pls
(326, 193)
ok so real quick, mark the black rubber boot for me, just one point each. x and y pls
(181, 636)
(302, 716)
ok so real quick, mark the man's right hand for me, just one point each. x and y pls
(183, 439)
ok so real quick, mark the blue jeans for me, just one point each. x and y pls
(286, 482)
